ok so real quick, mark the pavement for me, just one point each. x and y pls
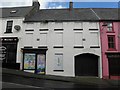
(79, 79)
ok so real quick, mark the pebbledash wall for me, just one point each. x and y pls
(67, 38)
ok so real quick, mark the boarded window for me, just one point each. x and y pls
(43, 39)
(94, 39)
(28, 39)
(58, 40)
(58, 65)
(78, 39)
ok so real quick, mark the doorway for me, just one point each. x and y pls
(86, 65)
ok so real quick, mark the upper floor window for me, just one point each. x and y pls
(110, 27)
(9, 27)
(111, 42)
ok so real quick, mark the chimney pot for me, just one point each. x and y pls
(36, 4)
(71, 5)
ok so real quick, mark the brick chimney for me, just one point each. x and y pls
(71, 5)
(36, 4)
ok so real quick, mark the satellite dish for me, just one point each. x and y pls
(17, 27)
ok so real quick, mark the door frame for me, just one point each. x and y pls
(98, 57)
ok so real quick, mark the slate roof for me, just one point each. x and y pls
(76, 14)
(63, 15)
(107, 13)
(20, 11)
(85, 14)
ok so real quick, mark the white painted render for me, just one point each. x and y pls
(68, 38)
(16, 21)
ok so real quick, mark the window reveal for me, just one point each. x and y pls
(9, 27)
(109, 27)
(111, 42)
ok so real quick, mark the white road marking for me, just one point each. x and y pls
(20, 85)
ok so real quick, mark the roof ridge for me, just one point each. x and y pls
(95, 13)
(15, 7)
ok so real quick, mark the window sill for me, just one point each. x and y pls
(110, 32)
(28, 47)
(111, 49)
(78, 46)
(8, 32)
(93, 29)
(58, 70)
(42, 46)
(58, 47)
(94, 46)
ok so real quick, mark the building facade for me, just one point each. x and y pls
(65, 42)
(10, 34)
(110, 50)
(64, 45)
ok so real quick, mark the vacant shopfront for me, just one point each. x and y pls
(34, 60)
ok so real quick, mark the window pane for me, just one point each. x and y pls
(29, 61)
(9, 26)
(41, 64)
(111, 42)
(9, 23)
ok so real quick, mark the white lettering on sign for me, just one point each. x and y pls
(2, 52)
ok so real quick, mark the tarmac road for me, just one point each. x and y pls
(13, 81)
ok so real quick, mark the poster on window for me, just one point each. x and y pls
(29, 61)
(41, 64)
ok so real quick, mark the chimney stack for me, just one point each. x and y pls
(71, 5)
(36, 4)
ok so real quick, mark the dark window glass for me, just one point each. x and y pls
(111, 42)
(9, 27)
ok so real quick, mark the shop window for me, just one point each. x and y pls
(111, 42)
(40, 63)
(9, 27)
(110, 27)
(34, 60)
(58, 66)
(29, 61)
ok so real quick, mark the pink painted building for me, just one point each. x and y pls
(110, 44)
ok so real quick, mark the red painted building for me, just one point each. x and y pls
(110, 44)
(110, 41)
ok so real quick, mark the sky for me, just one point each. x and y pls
(52, 4)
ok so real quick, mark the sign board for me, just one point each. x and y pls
(3, 52)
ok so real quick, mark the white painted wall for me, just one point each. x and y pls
(68, 38)
(16, 21)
